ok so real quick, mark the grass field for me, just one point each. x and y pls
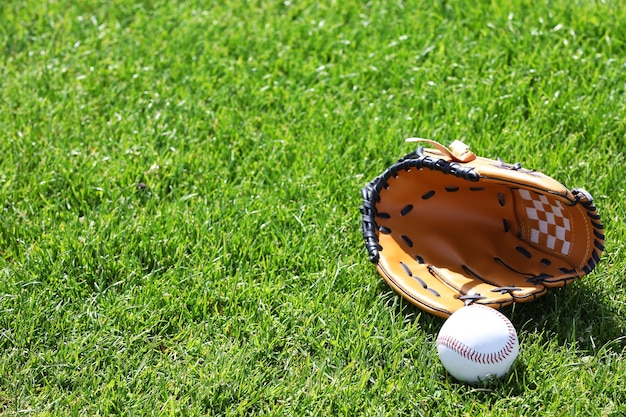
(180, 186)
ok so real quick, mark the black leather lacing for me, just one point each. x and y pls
(371, 192)
(585, 199)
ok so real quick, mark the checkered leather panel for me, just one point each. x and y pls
(549, 227)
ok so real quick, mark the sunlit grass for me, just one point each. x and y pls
(180, 232)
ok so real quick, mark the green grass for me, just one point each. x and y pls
(180, 187)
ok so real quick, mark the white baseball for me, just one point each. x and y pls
(477, 343)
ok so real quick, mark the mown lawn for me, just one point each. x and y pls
(180, 186)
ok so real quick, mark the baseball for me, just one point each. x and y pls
(477, 343)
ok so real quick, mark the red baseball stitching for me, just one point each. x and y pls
(482, 358)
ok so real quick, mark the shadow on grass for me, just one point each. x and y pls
(578, 316)
(573, 314)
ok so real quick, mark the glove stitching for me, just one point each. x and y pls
(371, 192)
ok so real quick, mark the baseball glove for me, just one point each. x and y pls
(446, 228)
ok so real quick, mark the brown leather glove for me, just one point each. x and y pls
(446, 228)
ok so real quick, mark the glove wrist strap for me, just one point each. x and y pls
(458, 151)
